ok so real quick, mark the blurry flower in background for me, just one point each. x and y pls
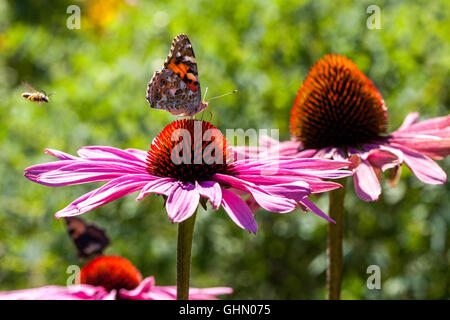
(100, 13)
(277, 185)
(109, 278)
(339, 114)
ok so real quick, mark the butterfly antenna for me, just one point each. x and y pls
(223, 95)
(204, 99)
(206, 91)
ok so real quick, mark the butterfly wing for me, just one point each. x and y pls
(176, 88)
(88, 238)
(168, 92)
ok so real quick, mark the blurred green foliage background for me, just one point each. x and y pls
(265, 49)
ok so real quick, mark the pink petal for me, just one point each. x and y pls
(210, 190)
(111, 191)
(141, 154)
(182, 202)
(367, 186)
(434, 147)
(307, 164)
(434, 124)
(238, 211)
(104, 152)
(158, 186)
(311, 206)
(383, 159)
(423, 167)
(147, 290)
(60, 155)
(85, 171)
(315, 184)
(32, 173)
(266, 200)
(208, 293)
(141, 292)
(410, 119)
(76, 292)
(297, 190)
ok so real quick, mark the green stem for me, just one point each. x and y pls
(184, 246)
(335, 237)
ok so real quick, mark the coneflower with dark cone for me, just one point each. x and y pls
(337, 106)
(339, 114)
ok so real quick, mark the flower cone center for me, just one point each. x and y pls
(337, 106)
(189, 150)
(111, 272)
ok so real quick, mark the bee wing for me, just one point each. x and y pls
(26, 84)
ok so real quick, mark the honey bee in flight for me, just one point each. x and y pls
(35, 96)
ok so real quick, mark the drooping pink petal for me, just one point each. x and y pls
(252, 204)
(182, 201)
(367, 186)
(315, 184)
(285, 163)
(311, 206)
(266, 200)
(297, 190)
(320, 186)
(383, 159)
(110, 191)
(210, 190)
(158, 186)
(271, 202)
(238, 211)
(423, 167)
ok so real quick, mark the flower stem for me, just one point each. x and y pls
(335, 237)
(184, 246)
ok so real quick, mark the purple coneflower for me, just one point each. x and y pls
(276, 184)
(339, 114)
(109, 278)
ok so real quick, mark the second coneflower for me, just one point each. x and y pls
(339, 114)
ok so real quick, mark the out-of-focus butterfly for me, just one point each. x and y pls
(89, 239)
(35, 96)
(176, 87)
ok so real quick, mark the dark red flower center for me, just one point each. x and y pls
(111, 272)
(190, 150)
(337, 106)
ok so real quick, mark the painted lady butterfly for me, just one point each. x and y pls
(176, 88)
(89, 239)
